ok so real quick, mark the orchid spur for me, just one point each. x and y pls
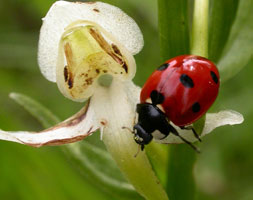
(88, 49)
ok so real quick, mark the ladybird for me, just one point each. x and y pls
(180, 91)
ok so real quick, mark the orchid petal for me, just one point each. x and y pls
(115, 107)
(213, 120)
(71, 130)
(62, 14)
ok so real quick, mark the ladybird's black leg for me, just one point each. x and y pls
(174, 131)
(196, 134)
(193, 130)
(142, 147)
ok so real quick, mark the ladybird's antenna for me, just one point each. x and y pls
(129, 129)
(138, 151)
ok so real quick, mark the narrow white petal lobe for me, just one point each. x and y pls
(71, 130)
(213, 120)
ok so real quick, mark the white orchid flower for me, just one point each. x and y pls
(88, 49)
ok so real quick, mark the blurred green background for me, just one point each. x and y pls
(224, 169)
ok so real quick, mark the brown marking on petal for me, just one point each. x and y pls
(89, 81)
(98, 71)
(116, 58)
(84, 74)
(70, 81)
(116, 49)
(79, 117)
(104, 45)
(103, 122)
(66, 75)
(56, 142)
(105, 71)
(96, 10)
(125, 67)
(69, 54)
(74, 120)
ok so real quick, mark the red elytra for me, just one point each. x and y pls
(189, 85)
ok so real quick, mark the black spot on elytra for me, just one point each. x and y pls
(214, 77)
(196, 107)
(186, 81)
(156, 97)
(163, 66)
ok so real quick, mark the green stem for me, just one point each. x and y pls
(199, 43)
(173, 28)
(174, 38)
(181, 184)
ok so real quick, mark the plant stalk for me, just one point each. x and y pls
(199, 42)
(174, 39)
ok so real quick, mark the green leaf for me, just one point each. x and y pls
(41, 113)
(20, 51)
(239, 47)
(222, 15)
(94, 162)
(98, 166)
(173, 28)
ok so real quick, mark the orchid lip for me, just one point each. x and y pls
(85, 54)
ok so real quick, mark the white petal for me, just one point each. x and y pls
(87, 53)
(63, 13)
(71, 130)
(213, 120)
(115, 105)
(225, 117)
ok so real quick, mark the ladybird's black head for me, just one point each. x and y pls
(141, 137)
(139, 141)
